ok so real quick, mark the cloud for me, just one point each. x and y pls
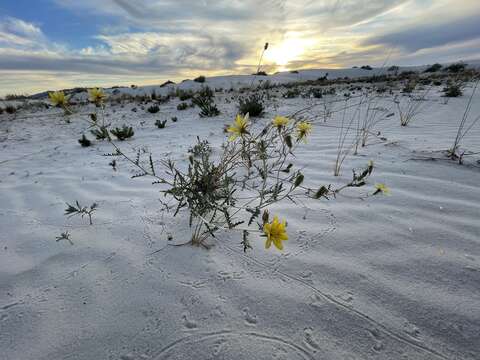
(17, 33)
(425, 36)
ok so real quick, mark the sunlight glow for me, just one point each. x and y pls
(290, 49)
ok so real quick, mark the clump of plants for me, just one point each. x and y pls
(252, 105)
(433, 68)
(84, 141)
(204, 100)
(200, 79)
(182, 106)
(123, 133)
(456, 68)
(161, 124)
(200, 148)
(80, 210)
(292, 93)
(153, 109)
(453, 90)
(174, 119)
(10, 109)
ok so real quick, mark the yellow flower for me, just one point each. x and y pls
(303, 129)
(239, 127)
(381, 188)
(58, 98)
(276, 233)
(96, 95)
(280, 121)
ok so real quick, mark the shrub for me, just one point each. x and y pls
(366, 67)
(184, 94)
(100, 133)
(153, 109)
(433, 68)
(200, 148)
(123, 133)
(456, 68)
(213, 190)
(261, 73)
(1, 110)
(293, 71)
(161, 124)
(204, 100)
(313, 93)
(292, 93)
(10, 109)
(182, 106)
(200, 79)
(84, 141)
(252, 105)
(453, 90)
(174, 119)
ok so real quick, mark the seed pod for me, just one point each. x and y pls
(265, 217)
(299, 179)
(321, 192)
(288, 141)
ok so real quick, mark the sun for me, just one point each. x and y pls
(292, 48)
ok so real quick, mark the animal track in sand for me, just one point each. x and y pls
(189, 324)
(249, 318)
(227, 344)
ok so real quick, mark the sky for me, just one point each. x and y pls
(57, 44)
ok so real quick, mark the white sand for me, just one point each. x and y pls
(394, 277)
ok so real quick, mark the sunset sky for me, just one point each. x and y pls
(53, 44)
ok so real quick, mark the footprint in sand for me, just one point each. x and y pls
(249, 318)
(376, 335)
(189, 324)
(309, 339)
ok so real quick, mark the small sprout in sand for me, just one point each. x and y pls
(381, 188)
(84, 141)
(96, 96)
(280, 122)
(80, 210)
(123, 133)
(161, 124)
(239, 127)
(304, 128)
(276, 233)
(64, 236)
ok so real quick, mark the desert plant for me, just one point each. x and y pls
(174, 119)
(161, 124)
(182, 106)
(100, 133)
(204, 100)
(10, 109)
(411, 106)
(153, 109)
(72, 210)
(123, 133)
(456, 68)
(200, 148)
(84, 141)
(252, 105)
(292, 93)
(366, 67)
(433, 68)
(58, 99)
(234, 191)
(464, 127)
(200, 79)
(453, 90)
